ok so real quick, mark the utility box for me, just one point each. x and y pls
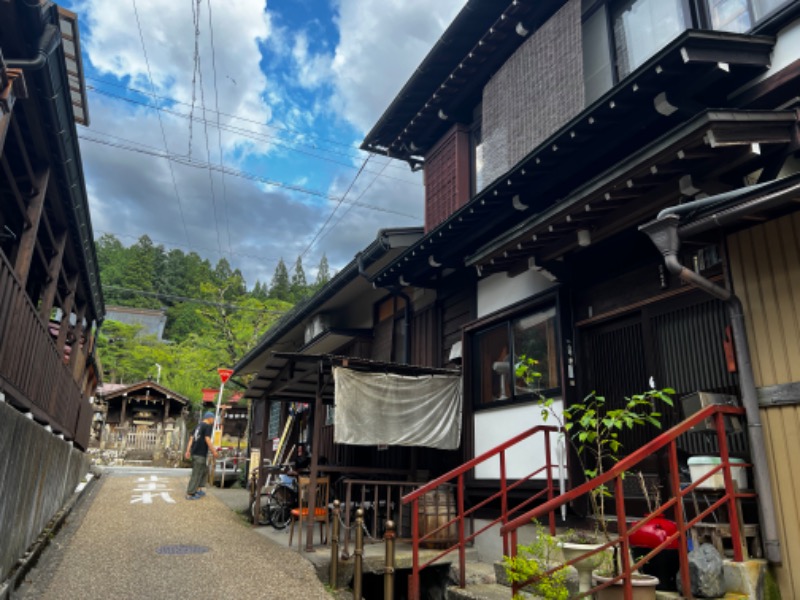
(700, 465)
(694, 403)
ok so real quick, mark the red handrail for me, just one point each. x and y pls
(462, 514)
(675, 502)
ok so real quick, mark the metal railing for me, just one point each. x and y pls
(381, 500)
(613, 480)
(32, 365)
(457, 476)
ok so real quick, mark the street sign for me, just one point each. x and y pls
(225, 374)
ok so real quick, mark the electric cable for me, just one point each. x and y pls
(160, 122)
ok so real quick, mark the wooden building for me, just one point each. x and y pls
(548, 133)
(51, 302)
(144, 416)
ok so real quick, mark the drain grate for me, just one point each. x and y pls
(178, 549)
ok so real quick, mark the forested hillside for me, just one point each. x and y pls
(212, 316)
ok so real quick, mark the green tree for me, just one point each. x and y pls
(298, 289)
(280, 288)
(323, 273)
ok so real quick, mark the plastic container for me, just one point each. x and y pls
(700, 465)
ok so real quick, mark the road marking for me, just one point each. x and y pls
(150, 490)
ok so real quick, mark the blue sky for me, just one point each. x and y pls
(232, 128)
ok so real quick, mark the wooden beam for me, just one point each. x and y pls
(53, 269)
(33, 215)
(66, 312)
(17, 195)
(316, 432)
(77, 332)
(23, 153)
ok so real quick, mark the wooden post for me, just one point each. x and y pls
(53, 269)
(316, 431)
(66, 312)
(358, 553)
(334, 570)
(388, 571)
(78, 333)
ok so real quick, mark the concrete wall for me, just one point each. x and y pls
(534, 93)
(38, 474)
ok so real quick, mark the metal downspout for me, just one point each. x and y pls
(49, 41)
(663, 232)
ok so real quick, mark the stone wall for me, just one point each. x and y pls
(534, 93)
(38, 474)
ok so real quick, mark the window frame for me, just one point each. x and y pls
(698, 14)
(544, 301)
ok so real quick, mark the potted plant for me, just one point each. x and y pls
(534, 562)
(592, 429)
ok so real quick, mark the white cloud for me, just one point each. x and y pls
(381, 43)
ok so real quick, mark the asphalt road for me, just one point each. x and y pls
(133, 535)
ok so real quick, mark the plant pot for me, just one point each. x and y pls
(587, 565)
(644, 587)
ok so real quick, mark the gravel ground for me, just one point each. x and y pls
(109, 548)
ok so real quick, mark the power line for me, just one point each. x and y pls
(205, 131)
(183, 160)
(160, 122)
(219, 130)
(193, 300)
(233, 116)
(335, 208)
(250, 134)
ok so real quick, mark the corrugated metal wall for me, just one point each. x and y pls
(39, 473)
(765, 269)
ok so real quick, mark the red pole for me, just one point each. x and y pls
(730, 490)
(504, 500)
(462, 546)
(413, 579)
(624, 543)
(549, 466)
(683, 552)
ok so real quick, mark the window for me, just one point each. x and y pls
(497, 349)
(274, 419)
(620, 35)
(642, 27)
(739, 16)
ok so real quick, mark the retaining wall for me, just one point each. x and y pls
(38, 474)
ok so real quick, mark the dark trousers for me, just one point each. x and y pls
(199, 471)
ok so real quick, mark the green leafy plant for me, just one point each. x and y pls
(534, 562)
(593, 429)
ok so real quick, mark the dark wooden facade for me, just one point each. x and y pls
(50, 299)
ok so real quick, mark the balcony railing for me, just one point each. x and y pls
(457, 476)
(32, 367)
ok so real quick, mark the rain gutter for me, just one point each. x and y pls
(666, 235)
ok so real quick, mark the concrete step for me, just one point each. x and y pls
(479, 591)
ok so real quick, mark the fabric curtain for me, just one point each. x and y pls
(397, 410)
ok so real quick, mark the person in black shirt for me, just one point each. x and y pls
(197, 450)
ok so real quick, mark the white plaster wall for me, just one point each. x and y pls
(493, 427)
(499, 290)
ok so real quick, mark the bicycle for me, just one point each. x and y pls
(277, 503)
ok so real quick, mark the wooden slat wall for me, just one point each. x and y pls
(765, 269)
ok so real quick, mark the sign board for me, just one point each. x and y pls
(210, 395)
(217, 439)
(225, 374)
(275, 442)
(255, 459)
